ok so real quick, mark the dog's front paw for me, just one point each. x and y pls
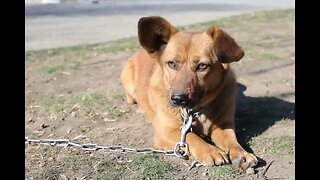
(210, 155)
(242, 158)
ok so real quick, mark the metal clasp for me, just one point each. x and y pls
(187, 121)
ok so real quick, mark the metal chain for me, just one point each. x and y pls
(94, 147)
(180, 150)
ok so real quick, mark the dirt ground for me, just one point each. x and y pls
(85, 103)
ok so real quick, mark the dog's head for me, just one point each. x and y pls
(193, 63)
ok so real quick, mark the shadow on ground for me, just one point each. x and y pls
(254, 115)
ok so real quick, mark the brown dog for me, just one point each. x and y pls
(190, 70)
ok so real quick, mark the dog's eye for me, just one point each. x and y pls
(201, 67)
(172, 64)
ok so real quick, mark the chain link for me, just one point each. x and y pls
(94, 147)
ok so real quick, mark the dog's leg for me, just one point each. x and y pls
(225, 138)
(166, 138)
(127, 80)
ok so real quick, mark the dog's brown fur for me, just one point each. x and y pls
(196, 65)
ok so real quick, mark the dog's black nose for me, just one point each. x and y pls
(180, 99)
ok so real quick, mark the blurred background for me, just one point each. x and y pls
(60, 23)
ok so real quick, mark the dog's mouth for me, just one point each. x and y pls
(187, 106)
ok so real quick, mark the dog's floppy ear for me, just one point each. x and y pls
(225, 47)
(154, 32)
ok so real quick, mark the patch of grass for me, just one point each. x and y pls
(58, 104)
(50, 151)
(281, 145)
(84, 50)
(75, 162)
(274, 14)
(90, 99)
(129, 44)
(57, 60)
(60, 59)
(256, 114)
(52, 104)
(113, 95)
(114, 112)
(234, 21)
(51, 69)
(48, 173)
(110, 170)
(226, 171)
(150, 167)
(87, 102)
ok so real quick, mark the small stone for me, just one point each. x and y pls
(250, 171)
(205, 174)
(30, 120)
(73, 114)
